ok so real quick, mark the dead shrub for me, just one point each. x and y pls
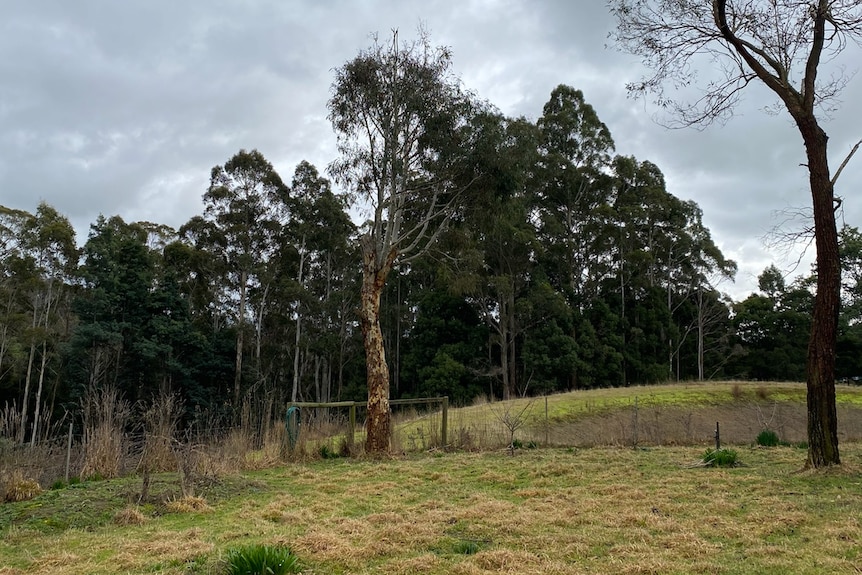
(160, 420)
(762, 393)
(736, 391)
(104, 418)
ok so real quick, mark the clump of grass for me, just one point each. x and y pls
(189, 504)
(466, 547)
(723, 457)
(262, 560)
(129, 516)
(767, 438)
(20, 488)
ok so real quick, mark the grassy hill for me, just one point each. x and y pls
(651, 415)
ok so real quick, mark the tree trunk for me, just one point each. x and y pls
(700, 329)
(378, 426)
(37, 410)
(25, 403)
(240, 339)
(822, 417)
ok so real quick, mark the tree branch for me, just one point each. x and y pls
(844, 163)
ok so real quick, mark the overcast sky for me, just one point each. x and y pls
(124, 107)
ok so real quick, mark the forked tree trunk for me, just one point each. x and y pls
(822, 417)
(378, 425)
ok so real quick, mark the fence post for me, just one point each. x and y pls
(717, 437)
(444, 424)
(352, 425)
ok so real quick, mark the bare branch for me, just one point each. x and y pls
(844, 163)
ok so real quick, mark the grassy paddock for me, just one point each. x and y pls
(549, 511)
(676, 414)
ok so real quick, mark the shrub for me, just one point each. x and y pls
(767, 438)
(261, 560)
(720, 458)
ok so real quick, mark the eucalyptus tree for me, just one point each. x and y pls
(318, 235)
(12, 315)
(47, 256)
(397, 110)
(664, 256)
(494, 242)
(573, 194)
(782, 45)
(239, 221)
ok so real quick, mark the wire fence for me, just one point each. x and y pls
(210, 447)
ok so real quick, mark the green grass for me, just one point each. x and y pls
(608, 510)
(664, 404)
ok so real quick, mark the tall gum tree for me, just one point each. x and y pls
(397, 110)
(782, 45)
(239, 221)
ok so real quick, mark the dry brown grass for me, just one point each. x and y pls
(129, 516)
(610, 510)
(105, 415)
(16, 487)
(188, 504)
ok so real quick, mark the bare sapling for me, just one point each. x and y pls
(512, 418)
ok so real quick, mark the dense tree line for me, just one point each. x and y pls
(564, 266)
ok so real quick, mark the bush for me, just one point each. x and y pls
(719, 458)
(261, 560)
(767, 438)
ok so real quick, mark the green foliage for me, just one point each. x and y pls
(767, 438)
(723, 457)
(326, 452)
(466, 547)
(261, 560)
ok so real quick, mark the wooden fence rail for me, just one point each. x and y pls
(352, 405)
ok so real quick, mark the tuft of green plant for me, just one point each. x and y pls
(466, 547)
(767, 438)
(327, 452)
(261, 560)
(720, 457)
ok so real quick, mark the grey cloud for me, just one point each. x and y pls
(123, 108)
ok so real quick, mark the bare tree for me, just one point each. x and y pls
(782, 44)
(512, 417)
(397, 110)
